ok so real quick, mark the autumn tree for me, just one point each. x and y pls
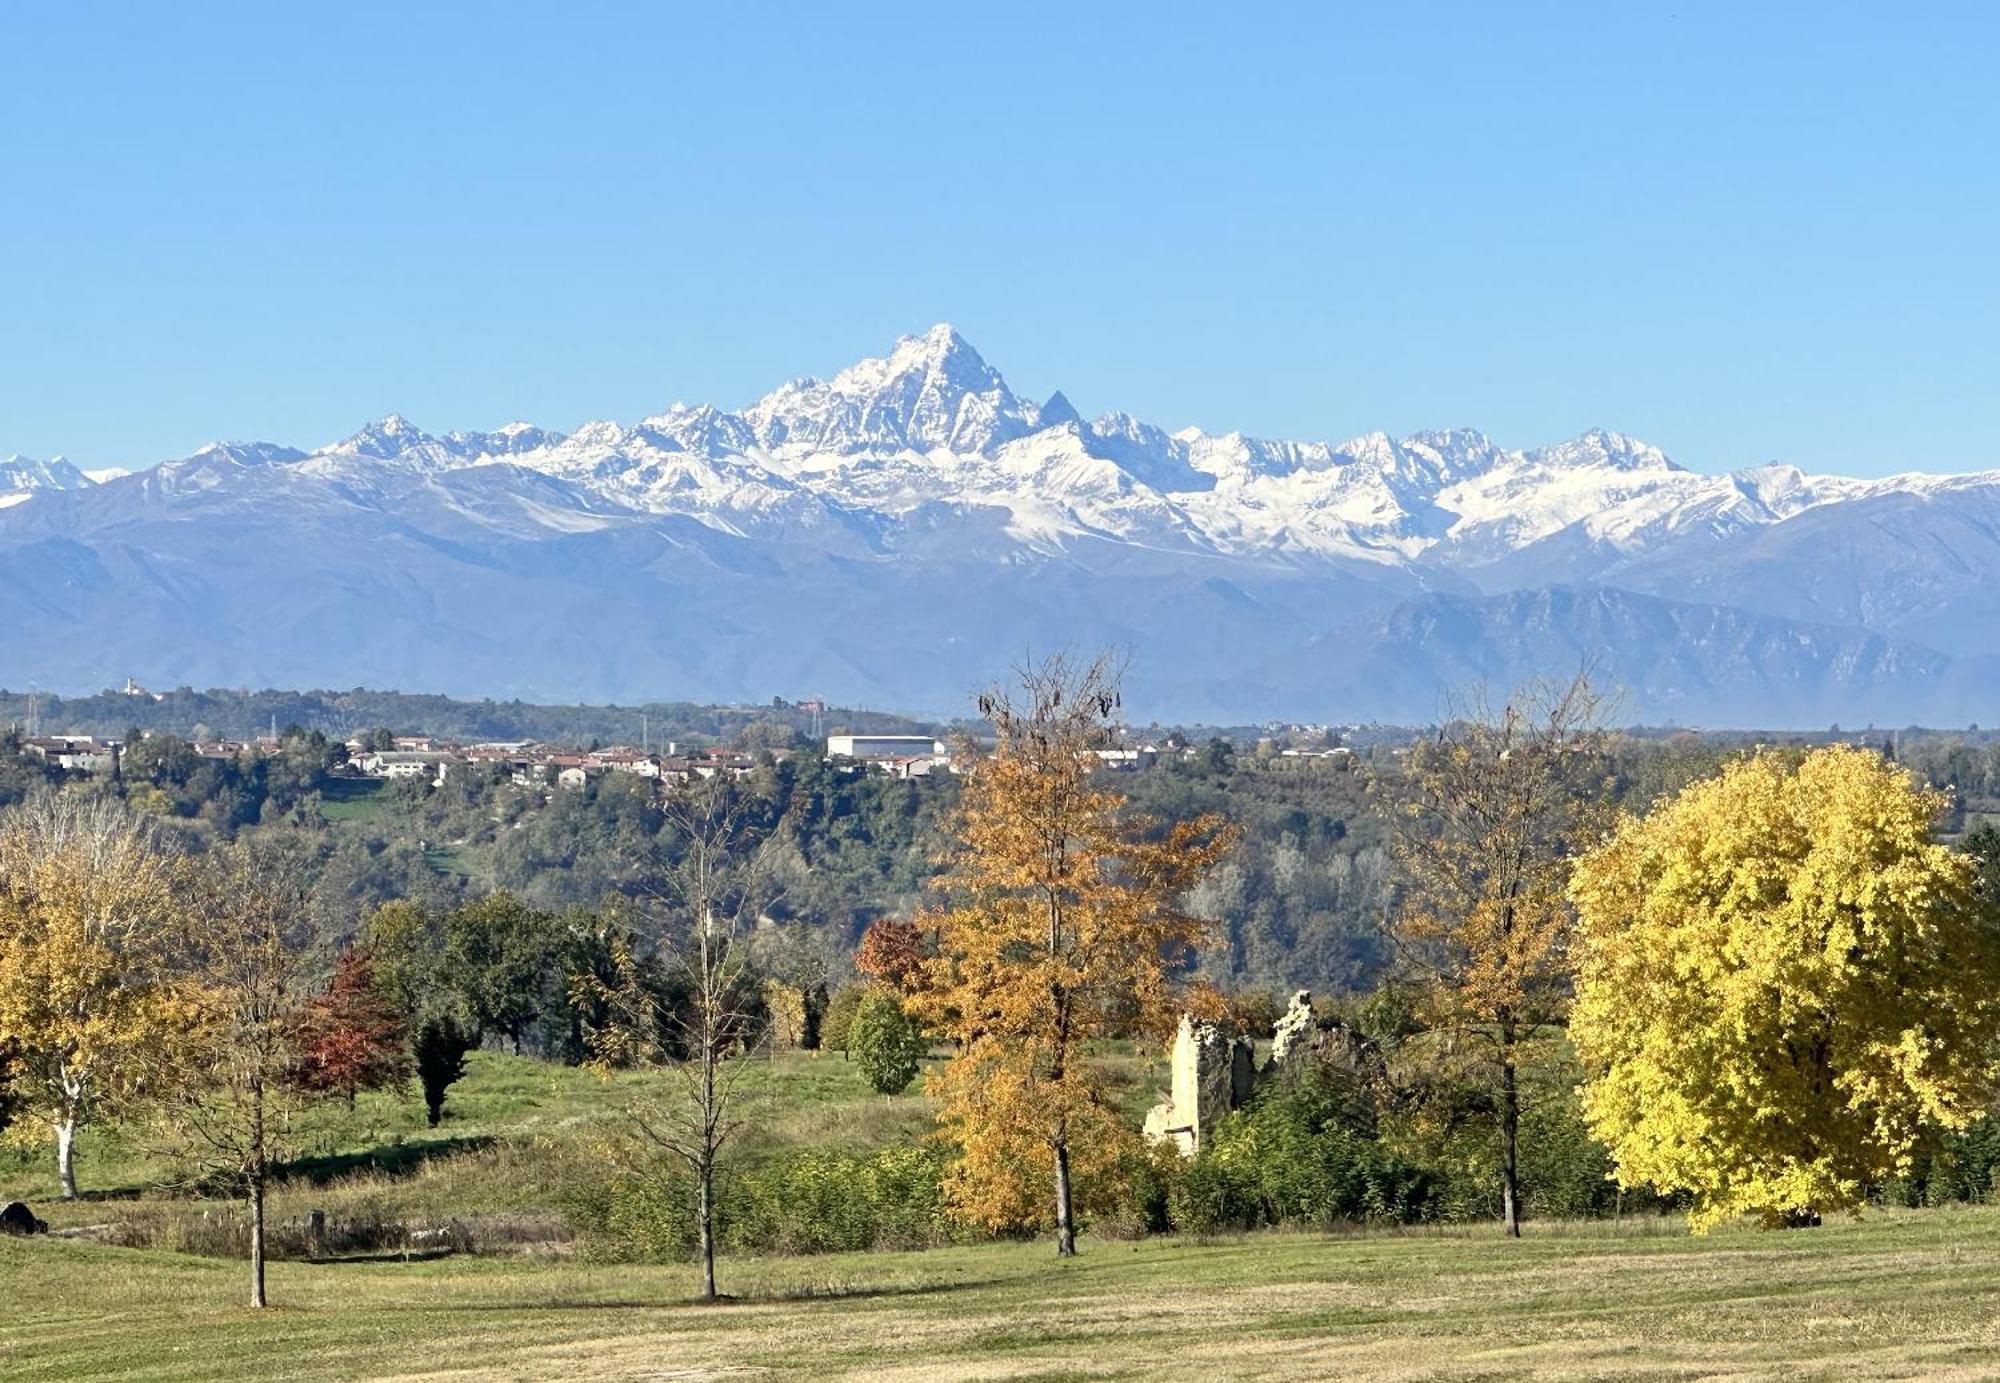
(837, 1027)
(891, 951)
(249, 988)
(1061, 925)
(87, 892)
(353, 1036)
(1783, 983)
(1492, 813)
(696, 1012)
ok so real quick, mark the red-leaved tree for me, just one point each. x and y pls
(352, 1036)
(891, 951)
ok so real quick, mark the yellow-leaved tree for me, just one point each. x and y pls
(1783, 983)
(88, 901)
(1062, 927)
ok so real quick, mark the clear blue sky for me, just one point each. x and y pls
(1744, 232)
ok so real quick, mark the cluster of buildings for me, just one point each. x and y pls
(528, 764)
(914, 756)
(899, 756)
(74, 753)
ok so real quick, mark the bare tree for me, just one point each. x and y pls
(248, 989)
(691, 1010)
(1493, 811)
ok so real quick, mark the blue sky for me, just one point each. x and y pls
(1745, 233)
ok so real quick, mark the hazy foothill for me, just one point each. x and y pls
(1045, 982)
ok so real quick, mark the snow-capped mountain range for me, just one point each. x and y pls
(903, 531)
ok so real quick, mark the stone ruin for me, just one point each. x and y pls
(1215, 1072)
(1212, 1074)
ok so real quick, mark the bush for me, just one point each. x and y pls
(1291, 1159)
(887, 1044)
(1962, 1166)
(806, 1202)
(640, 1216)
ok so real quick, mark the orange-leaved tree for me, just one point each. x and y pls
(1061, 925)
(353, 1035)
(891, 951)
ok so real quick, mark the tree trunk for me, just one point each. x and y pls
(66, 1157)
(1065, 1219)
(705, 1212)
(257, 1239)
(256, 1198)
(1510, 1140)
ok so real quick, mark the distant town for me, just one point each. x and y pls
(528, 764)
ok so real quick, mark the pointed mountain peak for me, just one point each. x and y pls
(930, 391)
(1599, 446)
(1059, 410)
(940, 353)
(384, 438)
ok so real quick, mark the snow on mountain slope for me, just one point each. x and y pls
(930, 392)
(22, 476)
(931, 424)
(919, 490)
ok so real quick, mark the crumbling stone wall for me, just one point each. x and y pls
(1212, 1073)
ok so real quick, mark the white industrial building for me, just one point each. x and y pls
(872, 747)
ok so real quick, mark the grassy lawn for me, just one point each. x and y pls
(354, 799)
(1900, 1295)
(465, 861)
(518, 1135)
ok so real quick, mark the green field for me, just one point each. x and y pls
(1902, 1294)
(355, 799)
(518, 1136)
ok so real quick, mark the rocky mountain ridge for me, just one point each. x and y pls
(914, 511)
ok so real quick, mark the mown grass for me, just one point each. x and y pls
(1899, 1295)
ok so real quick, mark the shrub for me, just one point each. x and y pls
(1291, 1159)
(223, 1231)
(886, 1042)
(804, 1202)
